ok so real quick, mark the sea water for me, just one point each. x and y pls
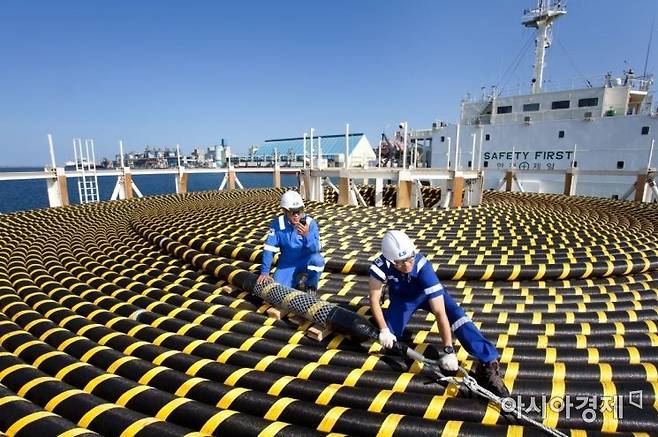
(22, 195)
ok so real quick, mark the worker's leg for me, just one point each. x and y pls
(314, 267)
(398, 314)
(468, 334)
(284, 275)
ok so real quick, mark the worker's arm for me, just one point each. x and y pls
(439, 310)
(375, 286)
(312, 236)
(270, 247)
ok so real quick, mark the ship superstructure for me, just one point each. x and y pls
(606, 127)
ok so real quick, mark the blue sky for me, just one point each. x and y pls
(165, 72)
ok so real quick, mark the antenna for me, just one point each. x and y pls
(541, 18)
(646, 58)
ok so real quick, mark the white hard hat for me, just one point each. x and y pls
(396, 245)
(291, 200)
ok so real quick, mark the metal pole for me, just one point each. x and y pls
(457, 147)
(121, 153)
(93, 159)
(52, 151)
(448, 155)
(473, 153)
(312, 132)
(347, 144)
(178, 154)
(650, 155)
(379, 160)
(404, 142)
(573, 161)
(304, 153)
(480, 152)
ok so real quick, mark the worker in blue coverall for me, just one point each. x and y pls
(412, 284)
(297, 237)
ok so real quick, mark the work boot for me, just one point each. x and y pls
(488, 376)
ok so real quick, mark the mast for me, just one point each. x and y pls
(542, 18)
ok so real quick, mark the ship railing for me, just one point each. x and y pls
(585, 114)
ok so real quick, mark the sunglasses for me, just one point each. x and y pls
(402, 262)
(295, 211)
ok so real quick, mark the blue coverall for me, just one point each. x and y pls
(408, 292)
(298, 254)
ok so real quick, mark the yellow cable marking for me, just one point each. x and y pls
(26, 345)
(390, 423)
(13, 368)
(348, 266)
(491, 415)
(194, 368)
(74, 432)
(278, 407)
(516, 270)
(272, 429)
(330, 419)
(148, 376)
(33, 382)
(163, 356)
(327, 394)
(138, 426)
(552, 414)
(460, 272)
(170, 406)
(279, 385)
(188, 385)
(23, 422)
(230, 396)
(211, 425)
(353, 377)
(402, 382)
(378, 403)
(56, 400)
(90, 415)
(235, 376)
(120, 362)
(224, 356)
(605, 372)
(652, 372)
(306, 371)
(610, 422)
(451, 428)
(434, 408)
(540, 272)
(265, 362)
(193, 345)
(131, 393)
(592, 355)
(370, 362)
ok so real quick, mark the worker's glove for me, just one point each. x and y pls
(386, 338)
(448, 360)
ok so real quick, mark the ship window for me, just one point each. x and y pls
(615, 196)
(593, 101)
(504, 110)
(443, 139)
(620, 164)
(645, 130)
(487, 137)
(531, 107)
(486, 164)
(469, 164)
(560, 134)
(560, 104)
(575, 164)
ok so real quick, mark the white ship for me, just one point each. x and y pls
(602, 135)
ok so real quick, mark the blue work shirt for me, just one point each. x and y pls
(283, 236)
(419, 285)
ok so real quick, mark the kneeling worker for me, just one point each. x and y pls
(412, 284)
(298, 238)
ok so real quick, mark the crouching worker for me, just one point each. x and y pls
(412, 284)
(297, 237)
